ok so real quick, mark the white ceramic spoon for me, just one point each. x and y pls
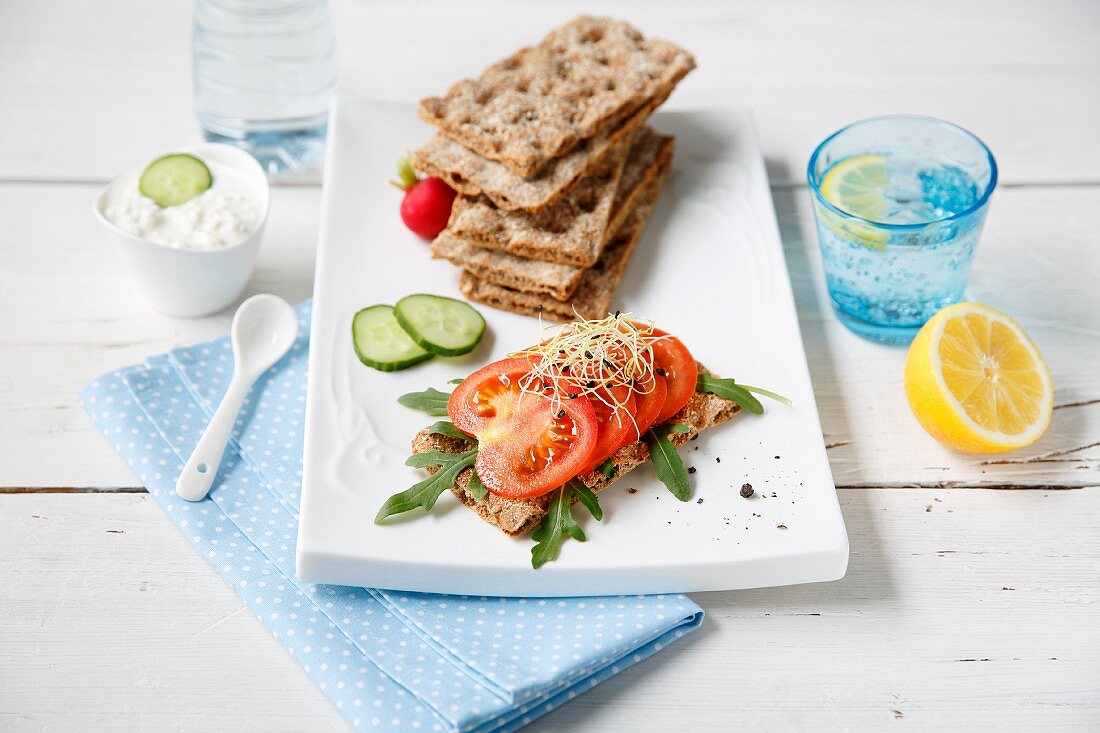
(264, 329)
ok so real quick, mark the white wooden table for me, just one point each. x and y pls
(971, 598)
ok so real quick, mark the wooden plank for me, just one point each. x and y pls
(68, 314)
(961, 609)
(1005, 70)
(111, 621)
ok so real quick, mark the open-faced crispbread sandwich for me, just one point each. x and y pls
(556, 423)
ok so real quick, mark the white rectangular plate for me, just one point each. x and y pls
(709, 269)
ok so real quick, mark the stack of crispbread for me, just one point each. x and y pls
(555, 168)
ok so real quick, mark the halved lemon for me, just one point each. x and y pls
(976, 382)
(857, 186)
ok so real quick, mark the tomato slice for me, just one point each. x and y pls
(616, 424)
(649, 404)
(671, 357)
(525, 448)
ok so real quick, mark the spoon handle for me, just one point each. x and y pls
(198, 475)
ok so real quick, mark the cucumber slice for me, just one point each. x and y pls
(175, 179)
(381, 343)
(443, 326)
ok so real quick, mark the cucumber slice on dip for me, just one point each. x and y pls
(381, 343)
(175, 179)
(443, 326)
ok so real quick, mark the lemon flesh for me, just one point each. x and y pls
(976, 382)
(858, 185)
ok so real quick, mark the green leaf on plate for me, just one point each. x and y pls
(554, 528)
(607, 468)
(768, 393)
(666, 461)
(475, 488)
(430, 458)
(587, 498)
(448, 428)
(425, 493)
(739, 393)
(431, 401)
(730, 390)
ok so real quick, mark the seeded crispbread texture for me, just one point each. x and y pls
(470, 174)
(597, 287)
(650, 157)
(539, 103)
(571, 232)
(575, 230)
(531, 276)
(519, 516)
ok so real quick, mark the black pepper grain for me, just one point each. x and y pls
(746, 490)
(691, 469)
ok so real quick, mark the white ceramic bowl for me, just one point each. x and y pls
(191, 282)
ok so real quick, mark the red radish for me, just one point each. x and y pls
(426, 207)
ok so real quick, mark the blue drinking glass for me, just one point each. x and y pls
(899, 203)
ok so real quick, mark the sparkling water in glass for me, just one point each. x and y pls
(264, 74)
(899, 233)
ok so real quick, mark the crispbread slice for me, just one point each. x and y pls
(592, 298)
(531, 276)
(539, 103)
(575, 230)
(651, 157)
(519, 516)
(470, 174)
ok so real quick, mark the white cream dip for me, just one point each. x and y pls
(221, 216)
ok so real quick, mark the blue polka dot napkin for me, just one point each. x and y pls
(388, 660)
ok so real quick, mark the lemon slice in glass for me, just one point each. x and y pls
(857, 186)
(976, 382)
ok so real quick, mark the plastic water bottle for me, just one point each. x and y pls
(264, 74)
